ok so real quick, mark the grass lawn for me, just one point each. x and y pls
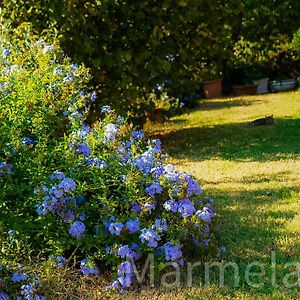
(253, 174)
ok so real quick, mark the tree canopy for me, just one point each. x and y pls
(133, 45)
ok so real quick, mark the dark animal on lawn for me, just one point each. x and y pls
(263, 121)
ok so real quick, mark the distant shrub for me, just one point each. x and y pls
(296, 40)
(102, 193)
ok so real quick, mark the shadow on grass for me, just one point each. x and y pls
(252, 227)
(177, 121)
(235, 141)
(220, 104)
(252, 222)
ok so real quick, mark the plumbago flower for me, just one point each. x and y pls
(5, 168)
(88, 267)
(77, 229)
(135, 201)
(27, 284)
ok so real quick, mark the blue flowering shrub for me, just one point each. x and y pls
(100, 193)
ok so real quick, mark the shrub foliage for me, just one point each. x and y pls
(102, 193)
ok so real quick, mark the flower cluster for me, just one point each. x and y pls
(173, 253)
(5, 168)
(88, 267)
(27, 285)
(125, 277)
(150, 237)
(58, 261)
(58, 200)
(135, 202)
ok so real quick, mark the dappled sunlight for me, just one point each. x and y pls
(232, 110)
(227, 103)
(235, 142)
(249, 175)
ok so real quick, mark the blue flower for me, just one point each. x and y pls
(48, 49)
(196, 243)
(84, 149)
(150, 206)
(41, 210)
(6, 52)
(136, 207)
(81, 216)
(157, 171)
(125, 281)
(61, 262)
(171, 205)
(155, 146)
(115, 228)
(27, 291)
(125, 275)
(120, 120)
(106, 109)
(5, 168)
(150, 237)
(69, 78)
(123, 178)
(144, 162)
(58, 71)
(69, 216)
(83, 132)
(108, 223)
(57, 175)
(132, 225)
(88, 267)
(134, 246)
(161, 225)
(16, 277)
(192, 188)
(74, 67)
(206, 242)
(137, 134)
(96, 162)
(206, 214)
(93, 96)
(172, 252)
(38, 297)
(115, 285)
(77, 229)
(153, 189)
(186, 208)
(58, 193)
(67, 184)
(110, 132)
(3, 295)
(127, 252)
(170, 173)
(125, 268)
(80, 199)
(76, 115)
